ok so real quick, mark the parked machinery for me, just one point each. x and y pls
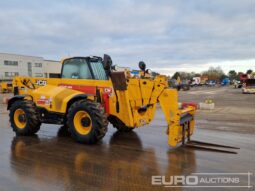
(6, 87)
(89, 94)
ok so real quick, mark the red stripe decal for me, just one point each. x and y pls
(81, 88)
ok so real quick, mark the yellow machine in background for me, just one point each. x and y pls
(89, 94)
(6, 87)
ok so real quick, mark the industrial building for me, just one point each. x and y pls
(21, 65)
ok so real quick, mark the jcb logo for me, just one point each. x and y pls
(41, 82)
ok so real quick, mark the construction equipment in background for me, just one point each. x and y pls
(203, 81)
(185, 85)
(225, 82)
(249, 86)
(178, 80)
(196, 81)
(182, 85)
(6, 87)
(237, 84)
(243, 78)
(248, 83)
(89, 94)
(211, 83)
(251, 75)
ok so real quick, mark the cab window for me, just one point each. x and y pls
(76, 68)
(98, 70)
(84, 68)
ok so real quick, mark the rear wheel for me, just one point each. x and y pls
(87, 121)
(24, 118)
(119, 125)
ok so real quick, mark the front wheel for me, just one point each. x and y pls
(24, 118)
(87, 121)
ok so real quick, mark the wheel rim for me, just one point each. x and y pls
(20, 118)
(82, 122)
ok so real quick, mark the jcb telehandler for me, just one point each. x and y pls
(89, 93)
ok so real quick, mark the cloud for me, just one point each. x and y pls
(169, 34)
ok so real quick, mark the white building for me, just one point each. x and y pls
(51, 67)
(20, 65)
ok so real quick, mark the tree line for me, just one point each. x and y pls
(213, 73)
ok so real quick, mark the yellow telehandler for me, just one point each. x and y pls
(89, 93)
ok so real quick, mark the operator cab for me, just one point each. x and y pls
(84, 68)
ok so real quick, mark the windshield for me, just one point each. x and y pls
(81, 68)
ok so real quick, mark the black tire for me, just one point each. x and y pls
(98, 119)
(32, 118)
(63, 131)
(119, 125)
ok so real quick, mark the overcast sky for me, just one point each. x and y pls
(169, 35)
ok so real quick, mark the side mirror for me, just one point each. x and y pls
(142, 65)
(107, 62)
